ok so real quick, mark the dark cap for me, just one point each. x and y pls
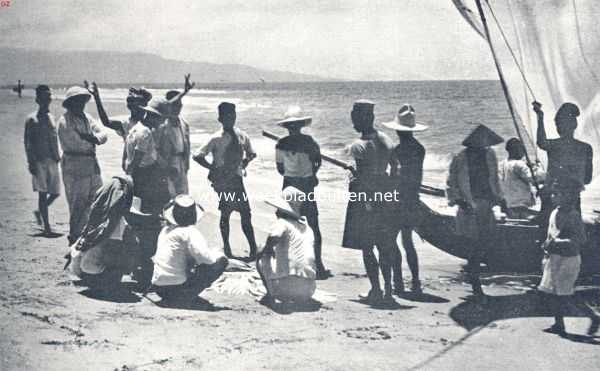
(568, 110)
(226, 107)
(42, 89)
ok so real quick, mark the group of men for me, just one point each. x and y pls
(157, 154)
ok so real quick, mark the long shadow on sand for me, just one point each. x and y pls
(393, 305)
(289, 308)
(471, 314)
(116, 295)
(423, 297)
(196, 303)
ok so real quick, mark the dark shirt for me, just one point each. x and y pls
(41, 141)
(410, 155)
(479, 174)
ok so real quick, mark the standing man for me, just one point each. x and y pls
(142, 159)
(79, 134)
(136, 100)
(41, 147)
(231, 153)
(409, 155)
(366, 221)
(473, 185)
(174, 142)
(567, 156)
(298, 158)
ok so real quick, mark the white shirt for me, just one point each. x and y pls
(217, 145)
(516, 182)
(294, 255)
(140, 139)
(178, 250)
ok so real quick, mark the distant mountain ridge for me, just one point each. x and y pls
(106, 67)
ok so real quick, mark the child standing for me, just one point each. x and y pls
(562, 260)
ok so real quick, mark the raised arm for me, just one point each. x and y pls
(187, 86)
(95, 92)
(541, 138)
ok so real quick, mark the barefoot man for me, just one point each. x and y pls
(41, 147)
(365, 225)
(409, 155)
(231, 152)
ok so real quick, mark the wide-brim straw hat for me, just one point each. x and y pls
(75, 91)
(294, 117)
(406, 120)
(290, 202)
(482, 136)
(181, 203)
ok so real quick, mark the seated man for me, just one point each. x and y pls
(286, 264)
(104, 251)
(183, 263)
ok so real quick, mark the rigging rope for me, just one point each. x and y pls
(510, 49)
(505, 90)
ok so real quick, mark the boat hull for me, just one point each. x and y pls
(515, 246)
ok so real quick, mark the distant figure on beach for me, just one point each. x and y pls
(516, 180)
(136, 99)
(184, 265)
(562, 260)
(79, 134)
(19, 88)
(142, 161)
(407, 175)
(567, 156)
(41, 148)
(473, 185)
(231, 152)
(366, 224)
(286, 263)
(298, 159)
(174, 142)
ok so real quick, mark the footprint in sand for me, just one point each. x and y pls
(367, 333)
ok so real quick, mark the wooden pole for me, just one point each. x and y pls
(344, 165)
(505, 90)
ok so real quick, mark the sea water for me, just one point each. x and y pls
(451, 109)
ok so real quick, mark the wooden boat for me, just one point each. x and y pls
(516, 245)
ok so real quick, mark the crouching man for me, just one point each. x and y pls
(183, 264)
(286, 264)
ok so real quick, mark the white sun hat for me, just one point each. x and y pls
(405, 120)
(294, 115)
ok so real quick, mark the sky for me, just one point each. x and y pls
(349, 39)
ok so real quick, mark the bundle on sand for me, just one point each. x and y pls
(241, 278)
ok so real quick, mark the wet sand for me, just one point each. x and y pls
(48, 323)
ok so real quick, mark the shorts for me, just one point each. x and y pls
(233, 197)
(47, 177)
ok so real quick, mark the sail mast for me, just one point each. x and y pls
(505, 89)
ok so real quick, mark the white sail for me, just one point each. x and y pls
(557, 45)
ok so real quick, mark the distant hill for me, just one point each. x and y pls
(65, 67)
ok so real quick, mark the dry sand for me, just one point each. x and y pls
(48, 323)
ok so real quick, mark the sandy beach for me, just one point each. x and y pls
(48, 323)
